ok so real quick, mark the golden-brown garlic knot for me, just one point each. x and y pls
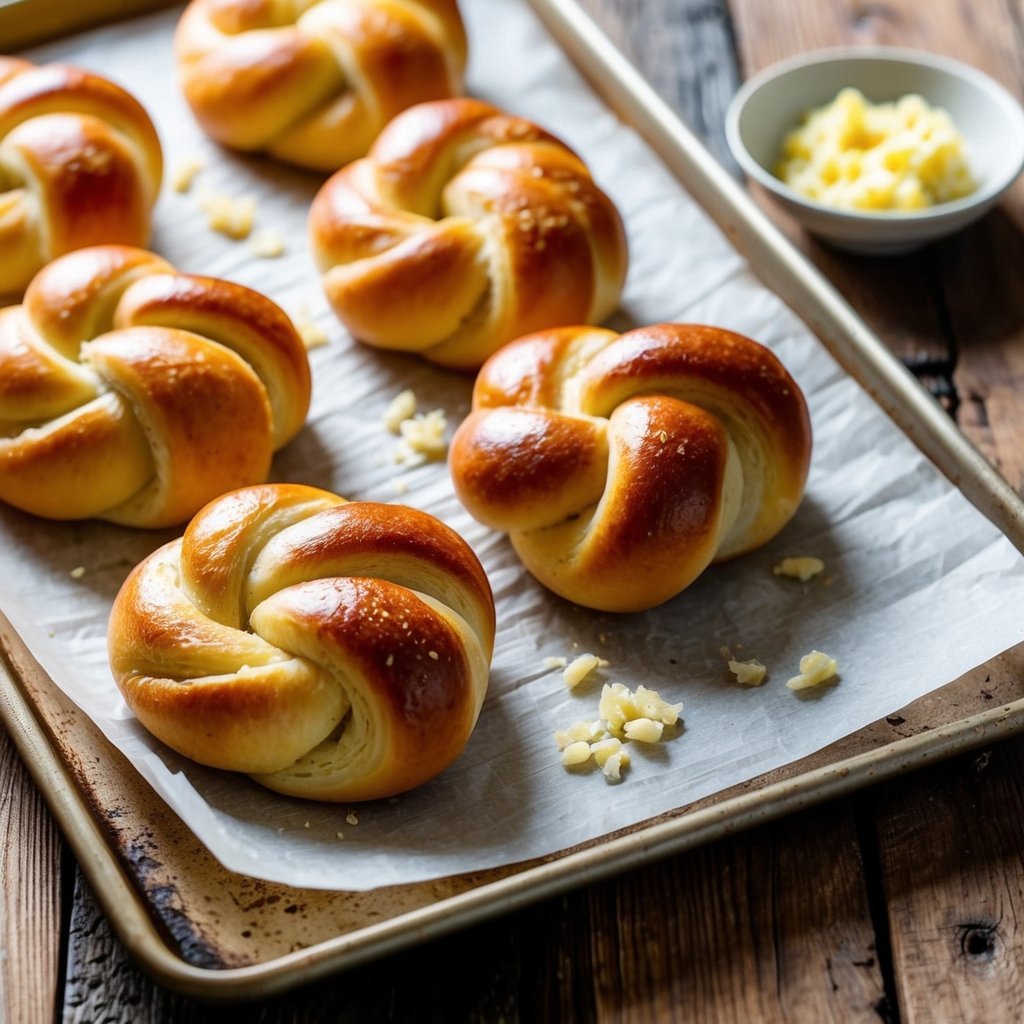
(135, 393)
(334, 650)
(80, 164)
(623, 465)
(312, 82)
(463, 228)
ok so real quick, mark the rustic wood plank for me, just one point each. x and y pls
(951, 847)
(30, 910)
(770, 926)
(686, 50)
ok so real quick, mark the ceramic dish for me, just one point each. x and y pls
(774, 102)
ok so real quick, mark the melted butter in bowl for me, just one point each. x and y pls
(878, 150)
(857, 155)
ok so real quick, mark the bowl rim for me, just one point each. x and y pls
(980, 197)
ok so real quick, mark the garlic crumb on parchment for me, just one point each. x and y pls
(580, 667)
(401, 408)
(800, 567)
(815, 668)
(423, 438)
(625, 716)
(229, 215)
(750, 672)
(267, 243)
(184, 172)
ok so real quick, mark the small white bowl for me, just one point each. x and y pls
(774, 102)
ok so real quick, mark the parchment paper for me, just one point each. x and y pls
(918, 587)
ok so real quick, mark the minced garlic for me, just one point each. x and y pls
(749, 673)
(267, 243)
(423, 438)
(550, 663)
(815, 668)
(620, 705)
(802, 567)
(644, 730)
(229, 215)
(576, 753)
(184, 173)
(579, 668)
(401, 408)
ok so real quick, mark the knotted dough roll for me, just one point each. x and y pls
(334, 650)
(313, 82)
(623, 465)
(463, 228)
(135, 393)
(80, 164)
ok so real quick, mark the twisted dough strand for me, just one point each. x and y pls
(622, 465)
(313, 81)
(134, 393)
(463, 228)
(336, 651)
(80, 164)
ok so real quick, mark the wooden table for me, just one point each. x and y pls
(898, 904)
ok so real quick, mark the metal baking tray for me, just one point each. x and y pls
(203, 930)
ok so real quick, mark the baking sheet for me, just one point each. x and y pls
(918, 586)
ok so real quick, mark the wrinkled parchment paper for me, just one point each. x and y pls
(917, 589)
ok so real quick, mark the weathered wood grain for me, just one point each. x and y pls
(30, 914)
(951, 847)
(685, 49)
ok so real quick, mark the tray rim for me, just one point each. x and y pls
(863, 356)
(127, 911)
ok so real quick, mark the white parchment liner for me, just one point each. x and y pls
(918, 587)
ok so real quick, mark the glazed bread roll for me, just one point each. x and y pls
(312, 82)
(465, 227)
(135, 393)
(333, 650)
(623, 465)
(80, 164)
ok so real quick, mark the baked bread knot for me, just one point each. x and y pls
(80, 164)
(135, 393)
(312, 82)
(623, 465)
(333, 650)
(464, 228)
